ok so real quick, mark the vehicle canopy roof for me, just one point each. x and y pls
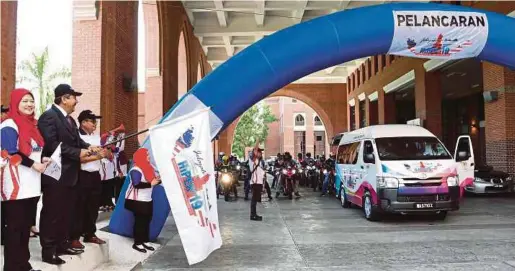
(387, 130)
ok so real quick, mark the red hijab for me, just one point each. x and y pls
(141, 160)
(27, 124)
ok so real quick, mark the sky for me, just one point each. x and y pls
(45, 23)
(49, 23)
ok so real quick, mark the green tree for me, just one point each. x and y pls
(252, 128)
(35, 72)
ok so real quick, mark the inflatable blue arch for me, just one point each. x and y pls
(425, 30)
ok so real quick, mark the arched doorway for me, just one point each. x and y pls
(295, 130)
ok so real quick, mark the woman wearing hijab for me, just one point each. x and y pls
(138, 198)
(20, 181)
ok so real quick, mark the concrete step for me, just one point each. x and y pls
(94, 255)
(121, 255)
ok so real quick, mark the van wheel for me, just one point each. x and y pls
(343, 199)
(441, 215)
(368, 209)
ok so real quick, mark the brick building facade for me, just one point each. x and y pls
(299, 129)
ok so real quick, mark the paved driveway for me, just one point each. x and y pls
(315, 233)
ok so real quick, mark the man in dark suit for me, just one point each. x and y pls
(58, 127)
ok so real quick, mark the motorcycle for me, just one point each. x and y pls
(227, 183)
(288, 179)
(329, 173)
(312, 175)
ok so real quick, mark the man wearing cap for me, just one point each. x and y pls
(58, 128)
(257, 173)
(89, 186)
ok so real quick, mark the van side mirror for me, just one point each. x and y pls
(462, 156)
(369, 158)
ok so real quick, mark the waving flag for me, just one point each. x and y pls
(183, 156)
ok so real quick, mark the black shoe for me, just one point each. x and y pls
(270, 198)
(35, 270)
(55, 260)
(69, 251)
(148, 247)
(140, 249)
(256, 218)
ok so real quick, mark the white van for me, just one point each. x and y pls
(401, 169)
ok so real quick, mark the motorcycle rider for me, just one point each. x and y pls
(279, 164)
(227, 165)
(329, 166)
(288, 161)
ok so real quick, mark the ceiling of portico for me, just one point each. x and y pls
(225, 28)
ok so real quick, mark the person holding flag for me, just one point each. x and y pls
(257, 173)
(138, 198)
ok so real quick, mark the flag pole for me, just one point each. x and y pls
(126, 137)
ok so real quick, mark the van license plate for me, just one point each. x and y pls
(424, 205)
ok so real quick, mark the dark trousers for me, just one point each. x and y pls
(86, 205)
(3, 225)
(18, 221)
(256, 197)
(55, 219)
(34, 210)
(142, 216)
(107, 193)
(117, 187)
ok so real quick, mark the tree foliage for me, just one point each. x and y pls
(252, 128)
(35, 73)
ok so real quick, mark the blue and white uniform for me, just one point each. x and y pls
(22, 181)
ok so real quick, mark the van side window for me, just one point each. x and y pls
(368, 148)
(463, 146)
(342, 149)
(353, 155)
(348, 153)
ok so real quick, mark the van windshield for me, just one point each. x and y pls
(411, 148)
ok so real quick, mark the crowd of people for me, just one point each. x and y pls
(90, 177)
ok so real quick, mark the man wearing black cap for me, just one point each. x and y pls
(89, 186)
(258, 175)
(58, 128)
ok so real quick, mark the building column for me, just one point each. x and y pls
(385, 108)
(500, 117)
(373, 118)
(356, 113)
(9, 11)
(105, 63)
(428, 100)
(367, 111)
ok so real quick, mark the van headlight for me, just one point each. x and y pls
(452, 181)
(387, 182)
